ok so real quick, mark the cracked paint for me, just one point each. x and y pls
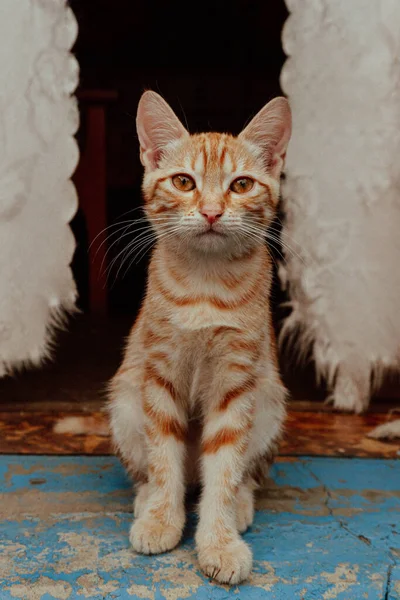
(343, 578)
(43, 586)
(322, 531)
(92, 584)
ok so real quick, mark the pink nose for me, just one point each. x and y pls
(211, 213)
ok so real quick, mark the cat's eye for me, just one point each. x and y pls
(241, 185)
(183, 183)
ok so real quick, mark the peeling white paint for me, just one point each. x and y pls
(141, 591)
(84, 549)
(377, 580)
(8, 553)
(342, 579)
(266, 579)
(83, 543)
(92, 584)
(61, 590)
(181, 568)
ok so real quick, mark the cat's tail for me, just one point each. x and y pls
(83, 425)
(387, 431)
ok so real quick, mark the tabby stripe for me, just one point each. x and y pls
(159, 356)
(165, 193)
(151, 338)
(224, 437)
(164, 208)
(246, 386)
(231, 282)
(178, 301)
(247, 346)
(249, 255)
(221, 330)
(123, 370)
(269, 193)
(222, 155)
(157, 512)
(167, 426)
(136, 474)
(240, 367)
(174, 275)
(225, 329)
(257, 211)
(153, 374)
(159, 474)
(213, 300)
(205, 155)
(273, 353)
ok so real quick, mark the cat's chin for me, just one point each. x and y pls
(211, 236)
(210, 244)
(218, 244)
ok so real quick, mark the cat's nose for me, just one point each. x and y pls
(211, 213)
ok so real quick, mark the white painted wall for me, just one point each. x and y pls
(342, 194)
(38, 154)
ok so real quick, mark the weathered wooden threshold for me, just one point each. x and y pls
(312, 429)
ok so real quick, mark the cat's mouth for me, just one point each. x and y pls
(212, 232)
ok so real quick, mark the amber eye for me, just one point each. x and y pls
(184, 183)
(242, 185)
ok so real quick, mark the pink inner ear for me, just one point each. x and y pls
(157, 126)
(270, 129)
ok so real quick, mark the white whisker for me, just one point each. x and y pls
(144, 230)
(140, 242)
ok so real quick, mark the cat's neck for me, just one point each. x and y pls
(187, 264)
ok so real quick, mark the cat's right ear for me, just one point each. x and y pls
(270, 130)
(157, 125)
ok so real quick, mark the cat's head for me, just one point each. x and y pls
(211, 192)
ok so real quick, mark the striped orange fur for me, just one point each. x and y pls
(151, 373)
(224, 437)
(198, 396)
(244, 387)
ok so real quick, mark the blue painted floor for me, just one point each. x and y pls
(325, 528)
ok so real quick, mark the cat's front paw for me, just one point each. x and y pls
(229, 564)
(244, 509)
(148, 536)
(141, 498)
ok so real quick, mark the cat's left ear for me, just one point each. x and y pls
(157, 125)
(270, 130)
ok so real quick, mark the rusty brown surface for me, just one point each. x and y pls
(32, 433)
(311, 429)
(327, 433)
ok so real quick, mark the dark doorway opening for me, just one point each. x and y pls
(217, 65)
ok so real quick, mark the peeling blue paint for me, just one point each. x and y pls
(326, 528)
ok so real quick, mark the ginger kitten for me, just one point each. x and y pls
(198, 397)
